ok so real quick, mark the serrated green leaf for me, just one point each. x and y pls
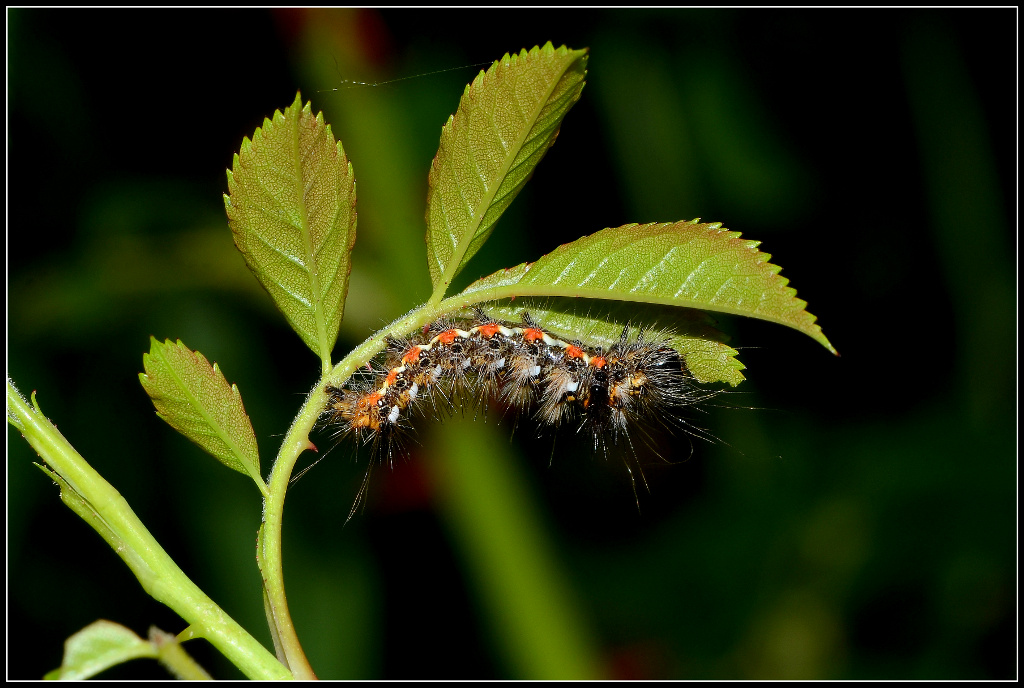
(708, 360)
(690, 332)
(688, 264)
(99, 646)
(291, 206)
(197, 401)
(506, 121)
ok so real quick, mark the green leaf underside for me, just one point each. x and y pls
(291, 206)
(687, 331)
(99, 646)
(197, 401)
(506, 121)
(688, 264)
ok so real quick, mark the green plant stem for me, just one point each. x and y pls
(296, 441)
(173, 657)
(270, 551)
(112, 517)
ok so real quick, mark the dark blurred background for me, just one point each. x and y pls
(856, 518)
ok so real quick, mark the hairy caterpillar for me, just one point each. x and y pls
(603, 393)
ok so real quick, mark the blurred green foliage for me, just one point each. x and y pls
(856, 518)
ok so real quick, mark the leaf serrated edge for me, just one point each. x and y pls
(324, 336)
(506, 279)
(445, 276)
(251, 467)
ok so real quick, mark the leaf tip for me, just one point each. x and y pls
(823, 340)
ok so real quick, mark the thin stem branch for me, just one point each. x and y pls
(269, 550)
(297, 441)
(103, 508)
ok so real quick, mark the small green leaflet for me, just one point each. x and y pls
(105, 644)
(291, 205)
(506, 121)
(99, 646)
(195, 399)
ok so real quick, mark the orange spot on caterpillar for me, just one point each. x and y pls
(412, 355)
(531, 334)
(392, 376)
(489, 330)
(574, 351)
(448, 336)
(599, 362)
